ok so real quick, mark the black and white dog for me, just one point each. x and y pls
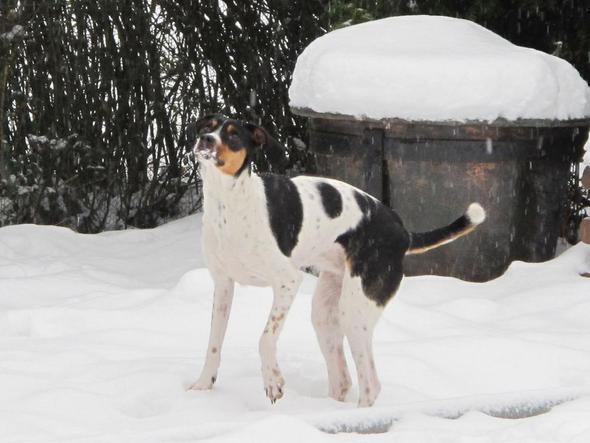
(262, 229)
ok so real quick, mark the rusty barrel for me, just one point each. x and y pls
(429, 172)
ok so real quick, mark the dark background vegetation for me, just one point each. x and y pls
(95, 94)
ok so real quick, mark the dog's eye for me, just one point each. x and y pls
(234, 141)
(233, 137)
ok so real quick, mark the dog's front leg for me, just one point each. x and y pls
(222, 300)
(284, 293)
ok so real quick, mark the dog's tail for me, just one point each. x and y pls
(424, 241)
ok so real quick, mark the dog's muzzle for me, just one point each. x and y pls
(205, 147)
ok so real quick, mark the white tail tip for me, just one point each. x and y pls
(475, 213)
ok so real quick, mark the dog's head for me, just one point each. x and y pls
(230, 145)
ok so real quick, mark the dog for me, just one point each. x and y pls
(262, 229)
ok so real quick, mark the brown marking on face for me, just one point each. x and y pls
(215, 122)
(231, 129)
(207, 125)
(228, 161)
(214, 350)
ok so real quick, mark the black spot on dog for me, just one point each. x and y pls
(363, 201)
(331, 199)
(375, 249)
(285, 210)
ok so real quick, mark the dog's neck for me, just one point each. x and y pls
(226, 188)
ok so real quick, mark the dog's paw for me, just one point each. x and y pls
(274, 388)
(203, 384)
(274, 391)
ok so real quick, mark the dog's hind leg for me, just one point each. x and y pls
(284, 293)
(222, 301)
(358, 317)
(325, 319)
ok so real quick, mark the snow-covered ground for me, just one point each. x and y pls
(100, 335)
(434, 68)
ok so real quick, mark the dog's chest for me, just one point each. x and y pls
(235, 227)
(241, 241)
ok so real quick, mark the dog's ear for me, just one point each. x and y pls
(274, 152)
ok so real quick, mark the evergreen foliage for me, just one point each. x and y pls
(96, 96)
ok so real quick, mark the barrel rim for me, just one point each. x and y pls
(500, 122)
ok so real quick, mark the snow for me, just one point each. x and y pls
(101, 334)
(434, 69)
(16, 31)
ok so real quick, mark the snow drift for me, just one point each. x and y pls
(101, 334)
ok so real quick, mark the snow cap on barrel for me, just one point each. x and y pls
(432, 68)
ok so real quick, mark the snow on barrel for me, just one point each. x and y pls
(431, 68)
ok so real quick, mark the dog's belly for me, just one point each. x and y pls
(321, 255)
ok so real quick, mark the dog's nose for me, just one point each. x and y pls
(206, 142)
